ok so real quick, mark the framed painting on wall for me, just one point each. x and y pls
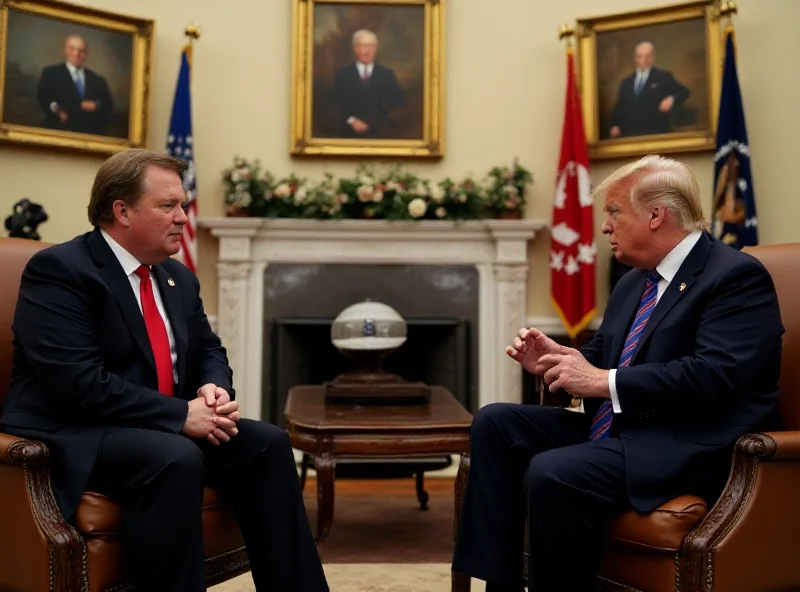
(73, 77)
(650, 80)
(368, 78)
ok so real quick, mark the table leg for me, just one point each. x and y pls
(422, 495)
(304, 470)
(460, 582)
(325, 466)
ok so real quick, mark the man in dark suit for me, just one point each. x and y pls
(365, 92)
(72, 97)
(116, 369)
(686, 361)
(646, 98)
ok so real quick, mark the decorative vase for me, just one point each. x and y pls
(510, 215)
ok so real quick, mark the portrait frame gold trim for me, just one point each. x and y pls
(432, 143)
(586, 35)
(141, 29)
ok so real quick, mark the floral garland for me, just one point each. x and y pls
(391, 194)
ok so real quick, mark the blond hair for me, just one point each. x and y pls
(659, 181)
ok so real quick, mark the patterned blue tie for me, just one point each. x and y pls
(79, 84)
(601, 424)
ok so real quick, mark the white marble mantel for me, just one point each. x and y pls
(497, 248)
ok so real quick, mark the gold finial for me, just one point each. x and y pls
(727, 8)
(566, 31)
(192, 32)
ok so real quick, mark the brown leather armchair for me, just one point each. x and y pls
(748, 540)
(39, 550)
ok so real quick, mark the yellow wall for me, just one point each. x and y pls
(505, 92)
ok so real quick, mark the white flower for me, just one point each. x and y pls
(417, 207)
(300, 195)
(365, 193)
(462, 198)
(244, 173)
(393, 186)
(511, 191)
(437, 194)
(283, 190)
(366, 180)
(341, 198)
(419, 189)
(241, 187)
(377, 196)
(245, 199)
(235, 176)
(441, 212)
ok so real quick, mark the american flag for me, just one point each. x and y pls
(180, 143)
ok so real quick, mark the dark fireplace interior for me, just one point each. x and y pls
(436, 351)
(438, 302)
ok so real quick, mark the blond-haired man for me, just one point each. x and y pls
(687, 359)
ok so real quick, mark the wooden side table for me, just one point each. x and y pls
(328, 432)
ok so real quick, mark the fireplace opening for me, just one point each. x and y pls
(436, 352)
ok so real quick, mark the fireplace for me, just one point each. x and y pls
(439, 303)
(491, 256)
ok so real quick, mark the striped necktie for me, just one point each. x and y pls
(601, 424)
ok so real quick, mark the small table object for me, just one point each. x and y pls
(328, 432)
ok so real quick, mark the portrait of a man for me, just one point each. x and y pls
(646, 97)
(74, 76)
(73, 97)
(655, 81)
(368, 78)
(365, 92)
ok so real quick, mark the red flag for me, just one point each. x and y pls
(572, 248)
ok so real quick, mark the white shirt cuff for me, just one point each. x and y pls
(612, 387)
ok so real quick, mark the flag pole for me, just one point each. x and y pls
(727, 8)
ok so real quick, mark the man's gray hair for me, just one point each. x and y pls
(659, 181)
(365, 36)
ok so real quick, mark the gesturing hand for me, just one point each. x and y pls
(529, 348)
(573, 373)
(226, 412)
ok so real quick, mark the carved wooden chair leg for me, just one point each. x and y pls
(422, 495)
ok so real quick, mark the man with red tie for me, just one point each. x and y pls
(117, 370)
(686, 360)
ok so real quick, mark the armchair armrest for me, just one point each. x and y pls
(744, 543)
(39, 550)
(19, 451)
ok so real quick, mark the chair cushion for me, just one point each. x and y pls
(663, 529)
(99, 516)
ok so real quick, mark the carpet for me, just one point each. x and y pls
(373, 577)
(385, 524)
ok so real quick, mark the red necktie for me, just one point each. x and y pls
(157, 331)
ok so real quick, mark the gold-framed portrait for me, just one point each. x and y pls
(650, 80)
(368, 78)
(73, 77)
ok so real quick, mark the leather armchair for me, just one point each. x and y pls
(39, 550)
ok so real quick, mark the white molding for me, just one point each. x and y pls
(497, 248)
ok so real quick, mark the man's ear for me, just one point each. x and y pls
(658, 216)
(122, 212)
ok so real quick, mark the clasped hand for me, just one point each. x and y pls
(212, 415)
(561, 367)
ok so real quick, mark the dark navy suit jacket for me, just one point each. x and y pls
(705, 371)
(82, 359)
(637, 116)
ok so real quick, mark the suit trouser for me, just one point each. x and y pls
(158, 479)
(536, 461)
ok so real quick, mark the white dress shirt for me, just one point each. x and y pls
(129, 265)
(364, 69)
(667, 269)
